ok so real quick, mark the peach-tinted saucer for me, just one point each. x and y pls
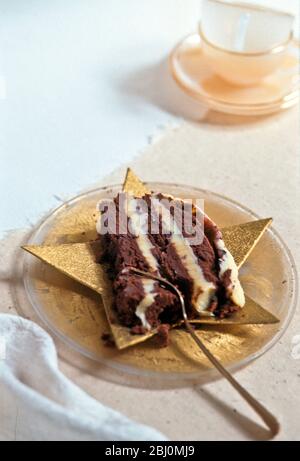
(191, 71)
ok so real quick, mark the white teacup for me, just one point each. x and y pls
(243, 42)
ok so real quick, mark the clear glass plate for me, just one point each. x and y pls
(191, 71)
(75, 316)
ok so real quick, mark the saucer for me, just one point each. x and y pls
(191, 71)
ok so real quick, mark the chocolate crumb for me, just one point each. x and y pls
(163, 339)
(138, 330)
(108, 340)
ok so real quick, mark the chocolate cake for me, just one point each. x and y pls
(152, 234)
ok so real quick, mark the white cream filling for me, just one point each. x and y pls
(203, 290)
(145, 246)
(227, 263)
(142, 240)
(148, 300)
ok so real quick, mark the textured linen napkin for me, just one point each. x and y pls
(37, 402)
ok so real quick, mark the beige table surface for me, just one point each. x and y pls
(255, 161)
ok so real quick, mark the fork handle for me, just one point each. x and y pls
(265, 415)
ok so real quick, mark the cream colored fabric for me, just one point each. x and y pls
(255, 161)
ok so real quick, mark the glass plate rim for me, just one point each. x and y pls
(210, 374)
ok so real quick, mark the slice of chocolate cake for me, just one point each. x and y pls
(153, 234)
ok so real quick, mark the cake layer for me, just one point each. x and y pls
(190, 267)
(138, 300)
(157, 241)
(230, 286)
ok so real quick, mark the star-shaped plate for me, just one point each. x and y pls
(78, 261)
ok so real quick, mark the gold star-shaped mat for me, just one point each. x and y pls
(78, 261)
